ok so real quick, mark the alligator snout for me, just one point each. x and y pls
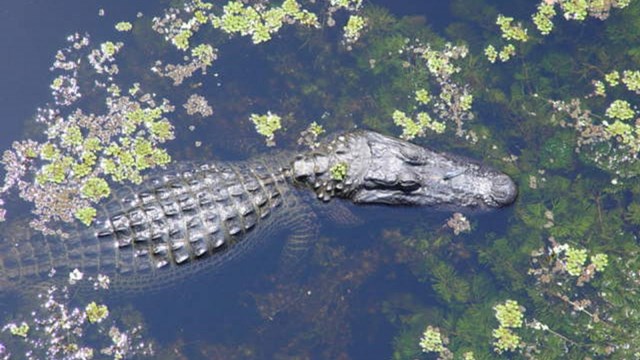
(503, 191)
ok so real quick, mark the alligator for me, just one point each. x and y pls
(197, 216)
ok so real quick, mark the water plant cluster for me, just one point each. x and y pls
(55, 329)
(516, 33)
(83, 150)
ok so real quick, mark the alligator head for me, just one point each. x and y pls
(368, 168)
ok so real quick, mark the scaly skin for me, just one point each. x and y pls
(198, 216)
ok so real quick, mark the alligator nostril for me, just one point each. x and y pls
(503, 191)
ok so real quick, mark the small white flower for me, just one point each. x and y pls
(102, 282)
(75, 276)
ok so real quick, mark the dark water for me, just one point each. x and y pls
(365, 293)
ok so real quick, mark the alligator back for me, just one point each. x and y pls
(189, 218)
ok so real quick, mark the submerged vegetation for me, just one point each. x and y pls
(550, 96)
(55, 329)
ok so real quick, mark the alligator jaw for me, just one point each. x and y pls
(385, 170)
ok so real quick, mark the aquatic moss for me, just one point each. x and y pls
(353, 28)
(205, 53)
(612, 78)
(21, 330)
(261, 23)
(505, 340)
(510, 316)
(95, 189)
(422, 96)
(266, 125)
(86, 215)
(316, 129)
(431, 340)
(509, 30)
(108, 48)
(631, 79)
(124, 26)
(542, 18)
(412, 129)
(620, 109)
(491, 53)
(339, 171)
(507, 52)
(96, 313)
(599, 261)
(575, 259)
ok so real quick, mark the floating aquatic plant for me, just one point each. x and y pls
(57, 329)
(83, 150)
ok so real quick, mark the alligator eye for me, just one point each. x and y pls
(409, 185)
(375, 183)
(412, 158)
(415, 162)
